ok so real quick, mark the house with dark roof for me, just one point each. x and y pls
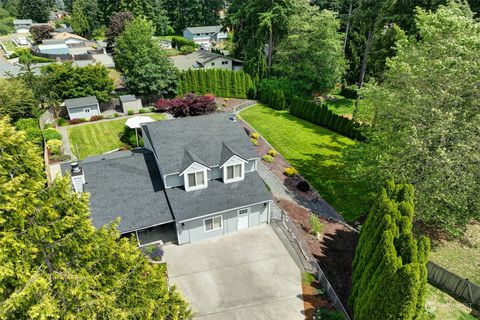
(195, 178)
(205, 35)
(206, 60)
(22, 25)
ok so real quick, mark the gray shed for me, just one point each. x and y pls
(84, 107)
(130, 102)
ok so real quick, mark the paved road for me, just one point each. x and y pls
(245, 275)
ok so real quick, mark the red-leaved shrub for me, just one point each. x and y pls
(190, 105)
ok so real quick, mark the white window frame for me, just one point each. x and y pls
(197, 186)
(87, 110)
(213, 228)
(234, 179)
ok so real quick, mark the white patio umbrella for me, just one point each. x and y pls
(135, 122)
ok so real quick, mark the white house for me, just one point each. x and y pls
(84, 107)
(204, 36)
(22, 26)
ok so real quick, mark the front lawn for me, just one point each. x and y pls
(444, 306)
(315, 152)
(9, 45)
(99, 137)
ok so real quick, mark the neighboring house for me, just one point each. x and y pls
(69, 38)
(22, 26)
(195, 178)
(205, 35)
(63, 28)
(166, 44)
(56, 48)
(207, 60)
(85, 107)
(130, 102)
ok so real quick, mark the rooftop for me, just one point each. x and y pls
(24, 21)
(197, 59)
(204, 29)
(125, 184)
(203, 136)
(217, 197)
(128, 98)
(80, 102)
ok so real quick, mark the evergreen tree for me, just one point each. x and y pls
(390, 277)
(37, 10)
(55, 264)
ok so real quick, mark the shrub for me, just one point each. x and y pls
(77, 121)
(190, 105)
(325, 314)
(31, 129)
(143, 110)
(62, 122)
(254, 135)
(303, 186)
(316, 226)
(254, 141)
(349, 92)
(61, 157)
(187, 49)
(272, 153)
(52, 134)
(179, 42)
(130, 112)
(96, 118)
(290, 172)
(54, 146)
(129, 137)
(268, 158)
(115, 115)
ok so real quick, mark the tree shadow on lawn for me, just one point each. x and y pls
(338, 252)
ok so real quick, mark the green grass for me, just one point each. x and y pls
(9, 45)
(444, 306)
(460, 256)
(315, 152)
(342, 105)
(99, 137)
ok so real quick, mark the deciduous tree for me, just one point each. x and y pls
(117, 26)
(16, 99)
(37, 10)
(41, 32)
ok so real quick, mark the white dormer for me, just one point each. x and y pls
(233, 169)
(195, 177)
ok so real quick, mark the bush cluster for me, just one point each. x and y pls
(190, 105)
(316, 226)
(143, 110)
(129, 137)
(179, 42)
(187, 50)
(254, 141)
(254, 135)
(77, 121)
(321, 115)
(96, 118)
(268, 158)
(62, 122)
(325, 314)
(54, 146)
(32, 130)
(349, 92)
(272, 97)
(51, 134)
(220, 82)
(272, 153)
(290, 172)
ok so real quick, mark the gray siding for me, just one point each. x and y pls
(132, 105)
(217, 63)
(250, 166)
(194, 230)
(187, 35)
(78, 112)
(173, 181)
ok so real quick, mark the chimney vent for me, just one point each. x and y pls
(78, 178)
(75, 168)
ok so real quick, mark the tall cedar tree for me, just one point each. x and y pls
(37, 10)
(117, 26)
(55, 264)
(389, 270)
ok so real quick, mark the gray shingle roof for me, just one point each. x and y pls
(22, 22)
(189, 158)
(200, 57)
(204, 29)
(217, 197)
(227, 153)
(125, 184)
(79, 102)
(200, 135)
(128, 98)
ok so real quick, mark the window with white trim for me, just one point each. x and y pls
(196, 179)
(213, 223)
(234, 172)
(87, 110)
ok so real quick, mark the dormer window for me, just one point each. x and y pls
(234, 172)
(196, 180)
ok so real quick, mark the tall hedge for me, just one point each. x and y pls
(389, 270)
(321, 115)
(272, 97)
(219, 82)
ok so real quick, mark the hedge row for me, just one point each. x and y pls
(274, 98)
(179, 42)
(219, 82)
(321, 115)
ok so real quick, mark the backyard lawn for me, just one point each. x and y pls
(444, 306)
(99, 137)
(315, 152)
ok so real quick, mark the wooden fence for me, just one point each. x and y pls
(454, 285)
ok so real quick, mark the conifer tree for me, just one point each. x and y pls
(390, 276)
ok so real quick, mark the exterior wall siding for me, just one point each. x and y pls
(218, 64)
(78, 112)
(194, 230)
(132, 105)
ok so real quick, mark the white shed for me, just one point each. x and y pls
(130, 102)
(84, 107)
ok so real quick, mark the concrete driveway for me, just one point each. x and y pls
(245, 275)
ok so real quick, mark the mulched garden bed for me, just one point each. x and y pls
(334, 251)
(229, 104)
(313, 300)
